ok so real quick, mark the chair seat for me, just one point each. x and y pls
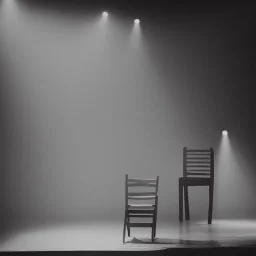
(195, 181)
(141, 207)
(141, 225)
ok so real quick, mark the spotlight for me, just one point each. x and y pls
(224, 133)
(105, 14)
(136, 21)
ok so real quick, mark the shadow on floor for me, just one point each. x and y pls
(201, 243)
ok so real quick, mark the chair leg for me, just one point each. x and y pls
(210, 204)
(152, 233)
(155, 217)
(128, 226)
(187, 215)
(180, 200)
(125, 218)
(155, 231)
(155, 226)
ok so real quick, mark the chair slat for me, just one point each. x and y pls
(198, 170)
(141, 225)
(143, 180)
(141, 193)
(139, 184)
(136, 215)
(141, 211)
(198, 165)
(198, 150)
(197, 154)
(141, 197)
(198, 158)
(198, 161)
(141, 206)
(199, 173)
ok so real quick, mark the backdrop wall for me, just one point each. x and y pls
(85, 101)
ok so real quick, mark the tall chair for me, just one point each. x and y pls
(198, 170)
(140, 210)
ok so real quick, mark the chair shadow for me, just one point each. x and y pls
(194, 243)
(156, 241)
(177, 242)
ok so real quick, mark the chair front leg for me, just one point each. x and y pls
(156, 216)
(128, 225)
(154, 225)
(180, 200)
(210, 204)
(125, 223)
(153, 230)
(187, 215)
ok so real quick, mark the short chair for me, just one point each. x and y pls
(140, 210)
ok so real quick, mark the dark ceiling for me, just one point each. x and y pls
(140, 7)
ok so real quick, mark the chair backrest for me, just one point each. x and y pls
(198, 162)
(147, 184)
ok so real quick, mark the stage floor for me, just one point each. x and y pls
(107, 236)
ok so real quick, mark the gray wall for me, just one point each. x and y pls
(85, 101)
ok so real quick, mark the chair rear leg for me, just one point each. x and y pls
(125, 218)
(187, 215)
(152, 233)
(210, 204)
(154, 225)
(180, 200)
(155, 228)
(155, 218)
(128, 226)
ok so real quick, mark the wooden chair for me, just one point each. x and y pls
(140, 210)
(198, 170)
